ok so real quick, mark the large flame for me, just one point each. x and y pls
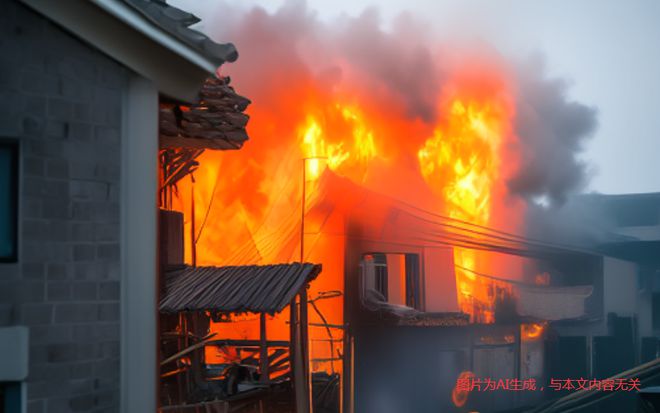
(247, 204)
(342, 141)
(462, 162)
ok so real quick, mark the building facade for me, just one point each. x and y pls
(80, 82)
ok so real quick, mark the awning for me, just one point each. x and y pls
(402, 315)
(236, 289)
(553, 303)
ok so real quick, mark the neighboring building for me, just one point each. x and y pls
(80, 83)
(406, 339)
(628, 252)
(591, 317)
(624, 331)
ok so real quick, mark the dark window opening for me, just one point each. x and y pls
(393, 277)
(655, 308)
(8, 200)
(412, 281)
(10, 397)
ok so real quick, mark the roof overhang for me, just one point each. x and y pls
(641, 252)
(124, 34)
(235, 289)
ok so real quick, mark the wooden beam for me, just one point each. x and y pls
(188, 349)
(326, 325)
(248, 343)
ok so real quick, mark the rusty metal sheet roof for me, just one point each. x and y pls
(235, 289)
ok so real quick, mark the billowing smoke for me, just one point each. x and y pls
(551, 131)
(398, 67)
(397, 63)
(403, 69)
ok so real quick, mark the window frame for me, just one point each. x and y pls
(413, 277)
(413, 280)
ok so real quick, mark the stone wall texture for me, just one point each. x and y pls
(62, 101)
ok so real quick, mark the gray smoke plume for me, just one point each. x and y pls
(552, 131)
(398, 62)
(404, 67)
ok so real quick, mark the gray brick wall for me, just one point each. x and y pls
(62, 100)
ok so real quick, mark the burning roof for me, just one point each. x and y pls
(236, 289)
(216, 121)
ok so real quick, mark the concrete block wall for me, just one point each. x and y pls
(62, 100)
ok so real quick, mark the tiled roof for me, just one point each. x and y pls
(216, 121)
(176, 22)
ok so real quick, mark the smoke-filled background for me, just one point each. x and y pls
(394, 62)
(441, 118)
(605, 54)
(405, 65)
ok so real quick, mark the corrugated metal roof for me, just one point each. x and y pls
(176, 22)
(236, 289)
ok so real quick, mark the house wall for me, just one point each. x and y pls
(415, 369)
(618, 293)
(396, 278)
(619, 287)
(621, 297)
(62, 101)
(440, 280)
(409, 370)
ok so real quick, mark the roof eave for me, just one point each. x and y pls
(121, 32)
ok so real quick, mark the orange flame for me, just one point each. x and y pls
(532, 331)
(347, 156)
(462, 163)
(247, 202)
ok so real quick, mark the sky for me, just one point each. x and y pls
(609, 51)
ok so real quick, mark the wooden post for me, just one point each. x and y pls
(348, 373)
(293, 323)
(301, 384)
(182, 379)
(263, 357)
(302, 214)
(304, 346)
(193, 244)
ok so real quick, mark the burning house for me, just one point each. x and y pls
(372, 244)
(423, 279)
(414, 204)
(198, 369)
(400, 339)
